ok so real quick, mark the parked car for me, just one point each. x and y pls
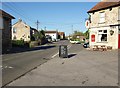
(49, 39)
(74, 42)
(86, 45)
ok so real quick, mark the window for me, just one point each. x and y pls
(14, 30)
(119, 14)
(102, 17)
(26, 26)
(110, 9)
(14, 37)
(102, 35)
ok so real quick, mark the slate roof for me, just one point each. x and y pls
(5, 14)
(105, 4)
(50, 31)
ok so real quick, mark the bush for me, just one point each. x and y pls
(82, 41)
(33, 44)
(18, 42)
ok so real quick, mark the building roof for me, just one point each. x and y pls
(104, 4)
(61, 33)
(51, 31)
(34, 29)
(20, 21)
(5, 14)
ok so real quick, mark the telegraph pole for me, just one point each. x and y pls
(45, 28)
(72, 29)
(37, 23)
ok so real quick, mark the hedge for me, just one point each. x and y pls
(18, 42)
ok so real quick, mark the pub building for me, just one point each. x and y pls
(104, 25)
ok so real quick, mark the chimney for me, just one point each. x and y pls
(20, 20)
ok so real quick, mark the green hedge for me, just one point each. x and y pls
(18, 42)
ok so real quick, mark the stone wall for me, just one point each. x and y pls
(111, 17)
(112, 40)
(6, 35)
(22, 31)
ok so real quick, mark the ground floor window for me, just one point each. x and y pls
(102, 35)
(14, 37)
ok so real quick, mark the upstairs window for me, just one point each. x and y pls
(102, 17)
(119, 15)
(14, 30)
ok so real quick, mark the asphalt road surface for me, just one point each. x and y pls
(15, 65)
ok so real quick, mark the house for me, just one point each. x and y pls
(53, 34)
(104, 24)
(61, 35)
(22, 31)
(5, 31)
(33, 32)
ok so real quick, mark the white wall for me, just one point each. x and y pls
(53, 35)
(111, 40)
(22, 31)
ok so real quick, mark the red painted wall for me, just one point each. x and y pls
(92, 38)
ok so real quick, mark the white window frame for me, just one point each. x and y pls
(119, 14)
(102, 17)
(100, 35)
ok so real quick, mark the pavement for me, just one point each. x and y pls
(23, 60)
(83, 68)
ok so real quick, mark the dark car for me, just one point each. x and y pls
(86, 45)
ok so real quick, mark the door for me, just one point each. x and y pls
(93, 38)
(119, 41)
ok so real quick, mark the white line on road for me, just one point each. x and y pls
(69, 46)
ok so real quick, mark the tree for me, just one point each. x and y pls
(78, 33)
(75, 34)
(41, 36)
(87, 34)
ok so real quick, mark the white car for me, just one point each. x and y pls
(74, 42)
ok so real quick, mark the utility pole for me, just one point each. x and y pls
(72, 29)
(45, 28)
(37, 23)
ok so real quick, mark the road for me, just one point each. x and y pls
(17, 64)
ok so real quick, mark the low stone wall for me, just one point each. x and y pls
(33, 43)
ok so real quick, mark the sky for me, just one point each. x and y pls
(61, 16)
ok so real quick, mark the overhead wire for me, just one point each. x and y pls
(12, 6)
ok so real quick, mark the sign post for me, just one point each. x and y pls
(63, 52)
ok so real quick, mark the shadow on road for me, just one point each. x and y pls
(26, 49)
(71, 55)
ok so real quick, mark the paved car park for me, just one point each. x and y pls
(84, 68)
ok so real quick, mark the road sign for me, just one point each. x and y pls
(63, 52)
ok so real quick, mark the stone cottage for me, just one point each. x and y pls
(61, 35)
(104, 24)
(22, 31)
(5, 31)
